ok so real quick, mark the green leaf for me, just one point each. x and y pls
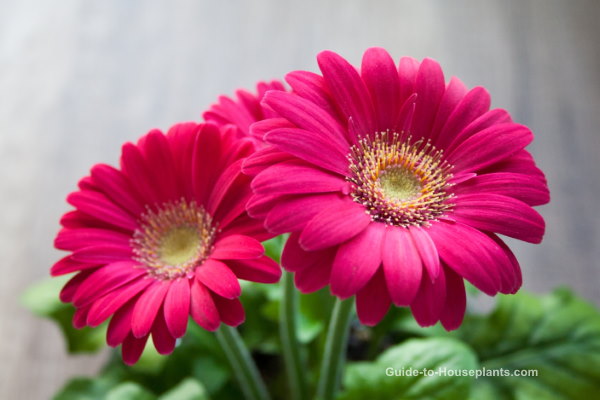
(188, 389)
(377, 380)
(84, 389)
(42, 299)
(129, 391)
(557, 335)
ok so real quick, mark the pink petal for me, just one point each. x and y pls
(373, 301)
(163, 341)
(262, 159)
(427, 251)
(206, 158)
(407, 72)
(219, 278)
(160, 164)
(106, 279)
(132, 348)
(307, 116)
(103, 253)
(203, 308)
(469, 253)
(401, 265)
(333, 225)
(356, 261)
(312, 146)
(258, 206)
(262, 270)
(493, 117)
(120, 325)
(231, 311)
(489, 146)
(312, 87)
(67, 265)
(111, 302)
(529, 189)
(80, 316)
(510, 270)
(226, 182)
(99, 206)
(237, 247)
(177, 307)
(260, 128)
(134, 168)
(501, 214)
(116, 186)
(349, 90)
(454, 93)
(430, 87)
(293, 214)
(68, 291)
(473, 105)
(381, 78)
(146, 308)
(73, 239)
(428, 305)
(295, 177)
(294, 258)
(456, 300)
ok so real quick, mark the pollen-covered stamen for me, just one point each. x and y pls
(173, 239)
(399, 181)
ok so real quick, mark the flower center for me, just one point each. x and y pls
(400, 182)
(173, 239)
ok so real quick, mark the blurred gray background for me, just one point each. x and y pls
(78, 78)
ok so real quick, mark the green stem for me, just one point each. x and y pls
(242, 364)
(335, 350)
(291, 348)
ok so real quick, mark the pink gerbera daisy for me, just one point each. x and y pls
(163, 237)
(394, 185)
(238, 114)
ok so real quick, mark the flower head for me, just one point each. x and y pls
(164, 237)
(394, 185)
(240, 113)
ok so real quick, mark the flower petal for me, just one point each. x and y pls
(456, 300)
(401, 265)
(469, 253)
(381, 78)
(132, 348)
(349, 90)
(203, 308)
(177, 307)
(231, 311)
(237, 247)
(356, 261)
(219, 278)
(429, 303)
(334, 225)
(527, 188)
(262, 270)
(146, 308)
(299, 178)
(373, 301)
(314, 147)
(501, 214)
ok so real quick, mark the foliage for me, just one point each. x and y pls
(557, 335)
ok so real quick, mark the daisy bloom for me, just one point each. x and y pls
(240, 113)
(394, 185)
(163, 237)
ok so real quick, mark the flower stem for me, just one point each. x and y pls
(291, 348)
(242, 364)
(335, 350)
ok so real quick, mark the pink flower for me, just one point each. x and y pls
(163, 237)
(240, 113)
(394, 185)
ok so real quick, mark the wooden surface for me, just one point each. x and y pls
(78, 78)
